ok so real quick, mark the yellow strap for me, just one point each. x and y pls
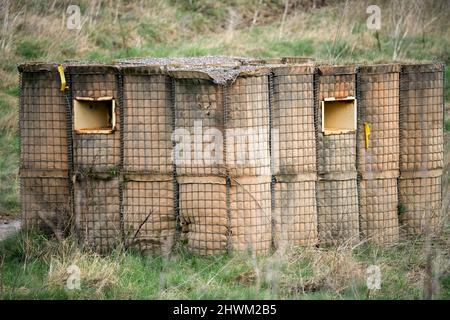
(367, 133)
(63, 78)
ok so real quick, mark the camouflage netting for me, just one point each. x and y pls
(280, 169)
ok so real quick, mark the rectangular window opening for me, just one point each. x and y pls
(94, 116)
(339, 115)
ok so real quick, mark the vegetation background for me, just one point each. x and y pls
(35, 267)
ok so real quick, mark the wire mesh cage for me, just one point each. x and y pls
(203, 213)
(43, 119)
(97, 211)
(295, 211)
(338, 212)
(96, 116)
(148, 213)
(248, 125)
(45, 203)
(148, 121)
(379, 210)
(420, 204)
(199, 126)
(336, 110)
(378, 119)
(421, 117)
(293, 130)
(250, 214)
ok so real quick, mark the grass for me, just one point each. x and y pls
(34, 267)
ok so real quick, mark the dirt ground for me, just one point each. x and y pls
(8, 227)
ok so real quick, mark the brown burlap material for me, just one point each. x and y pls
(247, 123)
(338, 212)
(45, 203)
(379, 108)
(203, 210)
(293, 143)
(97, 212)
(149, 217)
(421, 117)
(250, 210)
(295, 212)
(148, 124)
(96, 152)
(420, 205)
(43, 122)
(378, 211)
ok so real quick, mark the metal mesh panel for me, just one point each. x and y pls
(293, 121)
(203, 210)
(45, 203)
(422, 114)
(379, 108)
(336, 152)
(198, 111)
(97, 211)
(420, 205)
(338, 212)
(251, 217)
(379, 210)
(43, 126)
(148, 124)
(97, 152)
(295, 213)
(149, 218)
(247, 126)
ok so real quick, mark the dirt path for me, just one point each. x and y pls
(8, 227)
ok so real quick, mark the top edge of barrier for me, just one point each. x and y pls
(422, 67)
(380, 68)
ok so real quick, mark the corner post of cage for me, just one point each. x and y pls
(120, 93)
(316, 75)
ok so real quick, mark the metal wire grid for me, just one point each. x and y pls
(379, 211)
(199, 127)
(43, 129)
(96, 152)
(420, 205)
(97, 212)
(147, 124)
(337, 152)
(203, 210)
(251, 217)
(149, 219)
(295, 213)
(379, 108)
(338, 214)
(44, 203)
(247, 127)
(293, 124)
(421, 96)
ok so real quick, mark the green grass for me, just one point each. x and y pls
(35, 268)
